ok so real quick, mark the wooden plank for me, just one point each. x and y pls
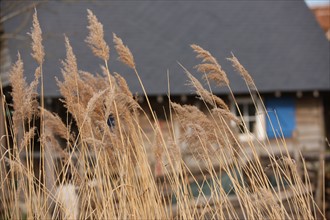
(308, 115)
(309, 132)
(310, 138)
(308, 128)
(308, 112)
(304, 140)
(303, 128)
(311, 147)
(306, 120)
(305, 131)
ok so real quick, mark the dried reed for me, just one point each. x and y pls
(240, 69)
(114, 168)
(210, 66)
(38, 49)
(123, 51)
(95, 39)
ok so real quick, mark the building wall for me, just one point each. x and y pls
(308, 132)
(310, 123)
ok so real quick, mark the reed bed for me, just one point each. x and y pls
(103, 165)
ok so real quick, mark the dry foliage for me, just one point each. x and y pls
(110, 169)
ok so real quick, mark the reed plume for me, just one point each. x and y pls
(210, 66)
(108, 164)
(95, 81)
(126, 103)
(70, 67)
(73, 88)
(199, 131)
(95, 39)
(79, 90)
(69, 87)
(35, 82)
(226, 115)
(242, 71)
(123, 85)
(36, 34)
(24, 103)
(27, 138)
(76, 91)
(124, 52)
(205, 95)
(54, 123)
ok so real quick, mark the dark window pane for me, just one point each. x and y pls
(251, 109)
(241, 108)
(252, 125)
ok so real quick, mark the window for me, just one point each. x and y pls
(254, 120)
(248, 112)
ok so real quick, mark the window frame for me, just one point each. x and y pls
(259, 131)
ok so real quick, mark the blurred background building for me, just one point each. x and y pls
(283, 44)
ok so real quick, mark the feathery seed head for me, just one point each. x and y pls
(124, 52)
(226, 114)
(19, 86)
(95, 39)
(70, 64)
(27, 137)
(241, 70)
(205, 95)
(94, 99)
(123, 85)
(37, 73)
(24, 96)
(36, 34)
(210, 66)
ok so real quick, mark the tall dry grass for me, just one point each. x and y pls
(106, 171)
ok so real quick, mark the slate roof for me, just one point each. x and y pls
(279, 42)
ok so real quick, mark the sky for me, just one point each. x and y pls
(312, 3)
